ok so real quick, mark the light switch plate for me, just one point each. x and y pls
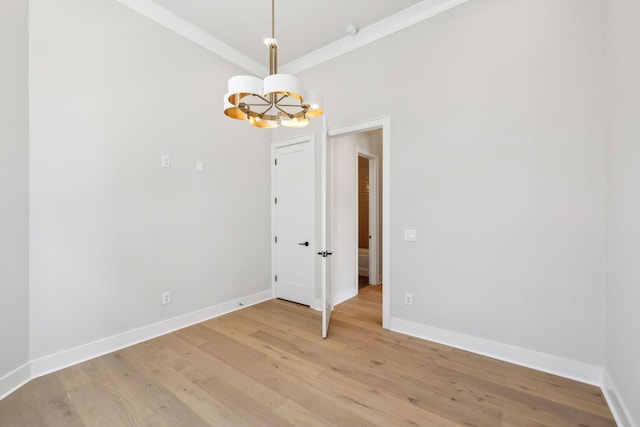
(410, 235)
(199, 166)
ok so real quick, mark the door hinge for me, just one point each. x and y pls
(276, 277)
(275, 162)
(276, 239)
(276, 200)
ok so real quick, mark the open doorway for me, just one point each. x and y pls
(357, 210)
(347, 286)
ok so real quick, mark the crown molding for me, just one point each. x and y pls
(383, 28)
(406, 18)
(173, 22)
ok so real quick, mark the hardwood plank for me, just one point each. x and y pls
(53, 405)
(256, 412)
(72, 377)
(19, 410)
(527, 403)
(274, 354)
(301, 390)
(100, 406)
(168, 368)
(300, 416)
(403, 410)
(552, 387)
(146, 401)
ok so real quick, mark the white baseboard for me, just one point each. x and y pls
(14, 380)
(66, 358)
(616, 404)
(571, 369)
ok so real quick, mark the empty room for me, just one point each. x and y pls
(277, 212)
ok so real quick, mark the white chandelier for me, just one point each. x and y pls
(279, 99)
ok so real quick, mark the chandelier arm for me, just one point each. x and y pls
(256, 105)
(301, 106)
(266, 101)
(283, 111)
(254, 113)
(263, 113)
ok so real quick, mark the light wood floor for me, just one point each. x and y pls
(266, 365)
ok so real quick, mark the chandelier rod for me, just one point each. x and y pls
(273, 45)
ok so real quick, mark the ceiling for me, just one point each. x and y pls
(308, 32)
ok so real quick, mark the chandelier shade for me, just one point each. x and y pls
(241, 86)
(234, 112)
(283, 84)
(277, 100)
(295, 123)
(263, 123)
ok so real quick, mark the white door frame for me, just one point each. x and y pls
(383, 123)
(274, 146)
(373, 216)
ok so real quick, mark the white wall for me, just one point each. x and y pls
(498, 161)
(111, 230)
(344, 277)
(14, 188)
(623, 316)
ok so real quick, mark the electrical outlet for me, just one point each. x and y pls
(408, 299)
(166, 298)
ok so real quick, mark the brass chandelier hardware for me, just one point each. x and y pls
(278, 100)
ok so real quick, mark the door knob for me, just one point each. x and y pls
(304, 244)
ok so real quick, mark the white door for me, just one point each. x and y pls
(326, 214)
(318, 131)
(294, 223)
